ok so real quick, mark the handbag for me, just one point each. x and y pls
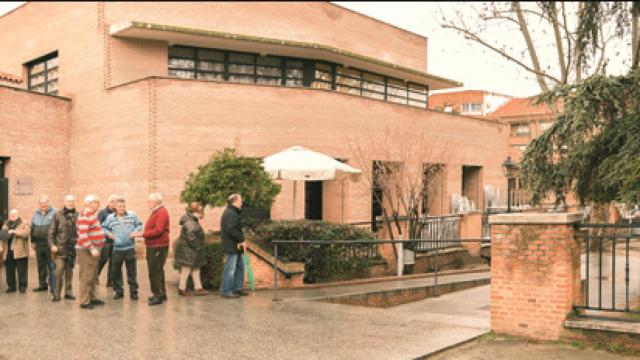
(4, 235)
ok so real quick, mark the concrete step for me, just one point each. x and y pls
(604, 324)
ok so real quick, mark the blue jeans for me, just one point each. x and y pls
(233, 275)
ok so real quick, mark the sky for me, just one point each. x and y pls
(449, 54)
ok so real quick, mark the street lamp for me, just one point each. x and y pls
(509, 168)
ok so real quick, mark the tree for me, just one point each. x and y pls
(562, 42)
(593, 149)
(227, 173)
(403, 180)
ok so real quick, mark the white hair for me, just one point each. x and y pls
(156, 196)
(43, 199)
(14, 212)
(90, 199)
(69, 198)
(113, 197)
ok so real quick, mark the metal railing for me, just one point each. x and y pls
(444, 231)
(361, 243)
(606, 254)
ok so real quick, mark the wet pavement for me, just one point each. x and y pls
(254, 327)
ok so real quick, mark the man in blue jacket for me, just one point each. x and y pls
(40, 224)
(122, 227)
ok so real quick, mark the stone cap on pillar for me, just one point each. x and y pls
(532, 218)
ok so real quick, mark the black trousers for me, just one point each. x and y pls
(156, 257)
(43, 258)
(128, 257)
(105, 257)
(10, 267)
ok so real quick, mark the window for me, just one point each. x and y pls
(348, 80)
(188, 62)
(545, 125)
(43, 74)
(323, 78)
(471, 108)
(519, 147)
(520, 130)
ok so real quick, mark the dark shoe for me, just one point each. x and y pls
(240, 293)
(184, 292)
(155, 301)
(164, 297)
(97, 302)
(55, 298)
(10, 291)
(230, 296)
(40, 289)
(69, 297)
(22, 291)
(118, 296)
(134, 296)
(86, 306)
(201, 292)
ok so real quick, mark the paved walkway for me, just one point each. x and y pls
(254, 327)
(499, 348)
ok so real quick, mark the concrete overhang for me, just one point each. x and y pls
(256, 44)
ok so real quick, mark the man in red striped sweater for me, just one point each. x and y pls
(90, 242)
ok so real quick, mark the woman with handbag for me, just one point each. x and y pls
(15, 251)
(189, 252)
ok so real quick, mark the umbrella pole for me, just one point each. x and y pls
(342, 201)
(294, 200)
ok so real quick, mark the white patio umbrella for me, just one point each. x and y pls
(297, 163)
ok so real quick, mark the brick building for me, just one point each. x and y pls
(129, 98)
(467, 102)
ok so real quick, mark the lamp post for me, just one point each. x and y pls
(509, 169)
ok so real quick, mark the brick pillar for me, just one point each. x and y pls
(535, 273)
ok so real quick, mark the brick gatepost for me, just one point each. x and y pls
(535, 273)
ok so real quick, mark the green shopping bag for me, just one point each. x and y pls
(247, 265)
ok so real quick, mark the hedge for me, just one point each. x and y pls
(322, 263)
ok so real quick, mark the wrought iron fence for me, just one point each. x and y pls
(608, 282)
(442, 232)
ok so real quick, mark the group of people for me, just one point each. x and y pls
(107, 237)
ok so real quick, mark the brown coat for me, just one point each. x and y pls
(62, 232)
(20, 243)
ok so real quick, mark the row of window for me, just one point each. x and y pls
(211, 64)
(524, 129)
(43, 74)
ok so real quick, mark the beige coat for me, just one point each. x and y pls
(20, 243)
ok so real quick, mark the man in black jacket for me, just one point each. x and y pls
(233, 246)
(107, 249)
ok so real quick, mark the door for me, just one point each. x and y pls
(4, 193)
(313, 200)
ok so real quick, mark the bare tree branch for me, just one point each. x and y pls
(532, 50)
(471, 36)
(559, 46)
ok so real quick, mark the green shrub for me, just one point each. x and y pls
(322, 262)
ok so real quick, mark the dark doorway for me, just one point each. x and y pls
(4, 191)
(472, 185)
(313, 200)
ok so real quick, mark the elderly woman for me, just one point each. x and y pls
(189, 256)
(15, 251)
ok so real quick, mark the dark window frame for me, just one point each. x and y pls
(307, 69)
(45, 61)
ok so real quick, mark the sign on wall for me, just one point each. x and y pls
(24, 185)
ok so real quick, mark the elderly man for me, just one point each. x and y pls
(122, 227)
(62, 239)
(15, 251)
(156, 239)
(107, 250)
(233, 247)
(40, 224)
(90, 242)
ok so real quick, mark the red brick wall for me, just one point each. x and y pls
(317, 22)
(535, 278)
(34, 133)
